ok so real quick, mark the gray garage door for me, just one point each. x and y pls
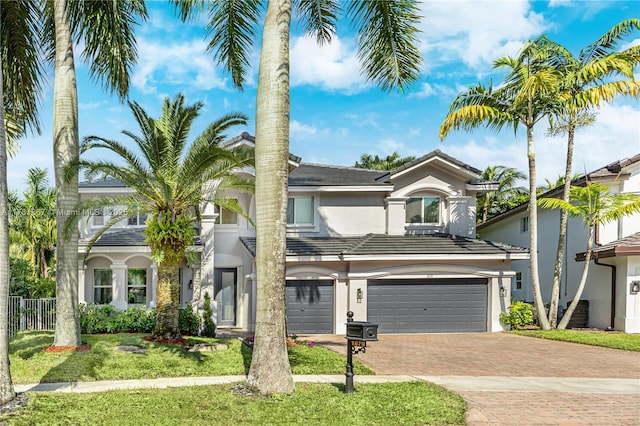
(310, 306)
(428, 306)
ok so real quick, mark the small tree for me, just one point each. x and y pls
(596, 206)
(209, 327)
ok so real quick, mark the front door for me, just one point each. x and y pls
(226, 289)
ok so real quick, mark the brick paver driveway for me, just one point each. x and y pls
(498, 354)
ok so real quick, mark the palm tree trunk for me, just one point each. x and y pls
(168, 302)
(562, 235)
(7, 392)
(564, 322)
(65, 150)
(270, 370)
(533, 233)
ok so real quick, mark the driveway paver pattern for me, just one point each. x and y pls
(501, 354)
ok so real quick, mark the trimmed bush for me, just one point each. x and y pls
(520, 314)
(136, 319)
(188, 321)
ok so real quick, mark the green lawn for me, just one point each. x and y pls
(414, 403)
(628, 342)
(29, 364)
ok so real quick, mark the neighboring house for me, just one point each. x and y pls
(613, 300)
(397, 248)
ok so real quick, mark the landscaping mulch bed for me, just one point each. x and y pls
(81, 348)
(180, 342)
(19, 401)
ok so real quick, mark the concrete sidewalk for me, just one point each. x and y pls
(453, 383)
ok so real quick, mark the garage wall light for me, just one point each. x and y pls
(359, 295)
(503, 292)
(635, 287)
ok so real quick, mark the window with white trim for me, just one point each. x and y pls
(423, 210)
(518, 280)
(102, 288)
(226, 216)
(139, 219)
(137, 286)
(300, 211)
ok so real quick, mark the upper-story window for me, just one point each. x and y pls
(226, 216)
(138, 219)
(524, 224)
(300, 211)
(423, 210)
(98, 217)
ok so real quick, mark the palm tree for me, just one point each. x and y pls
(19, 94)
(502, 199)
(528, 94)
(390, 162)
(387, 48)
(106, 29)
(33, 228)
(171, 180)
(596, 206)
(597, 74)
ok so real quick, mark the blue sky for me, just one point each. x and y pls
(336, 116)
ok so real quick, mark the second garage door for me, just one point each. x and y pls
(428, 306)
(310, 306)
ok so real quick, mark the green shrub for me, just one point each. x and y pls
(209, 329)
(520, 314)
(188, 321)
(107, 319)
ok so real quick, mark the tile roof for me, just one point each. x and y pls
(391, 245)
(128, 238)
(102, 183)
(437, 153)
(627, 246)
(320, 175)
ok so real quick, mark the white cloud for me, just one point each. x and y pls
(178, 64)
(300, 131)
(476, 32)
(332, 66)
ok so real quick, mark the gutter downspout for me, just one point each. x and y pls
(613, 280)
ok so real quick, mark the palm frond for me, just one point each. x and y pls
(20, 36)
(107, 28)
(608, 40)
(387, 43)
(319, 18)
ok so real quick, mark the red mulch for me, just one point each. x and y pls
(181, 341)
(81, 348)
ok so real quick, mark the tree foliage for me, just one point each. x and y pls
(375, 162)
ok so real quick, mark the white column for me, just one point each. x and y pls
(341, 304)
(119, 283)
(207, 261)
(154, 284)
(81, 281)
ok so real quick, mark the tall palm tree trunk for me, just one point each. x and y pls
(168, 302)
(7, 392)
(533, 232)
(270, 370)
(65, 150)
(562, 235)
(564, 322)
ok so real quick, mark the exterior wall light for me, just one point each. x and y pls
(635, 287)
(359, 295)
(503, 292)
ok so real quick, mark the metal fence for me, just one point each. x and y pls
(31, 314)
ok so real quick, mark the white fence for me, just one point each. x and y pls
(31, 314)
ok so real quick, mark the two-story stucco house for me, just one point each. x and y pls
(397, 248)
(613, 298)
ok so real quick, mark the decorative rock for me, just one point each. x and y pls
(203, 347)
(131, 349)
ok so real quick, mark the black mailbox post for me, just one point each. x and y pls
(358, 334)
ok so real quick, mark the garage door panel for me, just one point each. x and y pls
(309, 306)
(448, 305)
